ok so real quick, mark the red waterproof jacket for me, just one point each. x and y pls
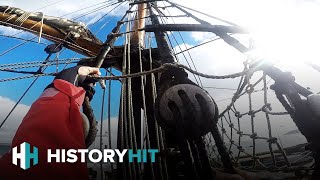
(53, 122)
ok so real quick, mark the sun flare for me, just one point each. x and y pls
(288, 32)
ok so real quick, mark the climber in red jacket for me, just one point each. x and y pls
(53, 122)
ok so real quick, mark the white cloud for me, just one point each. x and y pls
(10, 127)
(201, 36)
(280, 29)
(61, 8)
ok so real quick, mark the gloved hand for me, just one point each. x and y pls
(77, 75)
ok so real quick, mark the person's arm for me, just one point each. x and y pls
(53, 122)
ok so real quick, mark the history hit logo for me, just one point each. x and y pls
(25, 156)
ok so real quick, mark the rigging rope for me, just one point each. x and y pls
(87, 7)
(20, 38)
(155, 70)
(160, 137)
(22, 96)
(113, 16)
(198, 81)
(101, 130)
(40, 62)
(131, 120)
(118, 4)
(175, 65)
(95, 10)
(109, 114)
(222, 20)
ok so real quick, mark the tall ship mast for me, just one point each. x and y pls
(153, 96)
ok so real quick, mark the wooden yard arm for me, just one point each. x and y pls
(80, 39)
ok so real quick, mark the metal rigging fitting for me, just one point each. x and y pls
(313, 102)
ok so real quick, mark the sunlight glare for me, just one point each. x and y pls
(287, 32)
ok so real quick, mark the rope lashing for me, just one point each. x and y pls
(172, 65)
(50, 61)
(133, 75)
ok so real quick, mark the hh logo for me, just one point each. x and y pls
(25, 156)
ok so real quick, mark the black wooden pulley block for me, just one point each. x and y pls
(181, 104)
(53, 48)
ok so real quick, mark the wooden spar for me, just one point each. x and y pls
(84, 46)
(138, 36)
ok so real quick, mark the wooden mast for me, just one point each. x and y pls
(137, 41)
(137, 37)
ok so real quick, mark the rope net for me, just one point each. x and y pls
(248, 127)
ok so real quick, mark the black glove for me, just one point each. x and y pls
(77, 78)
(71, 75)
